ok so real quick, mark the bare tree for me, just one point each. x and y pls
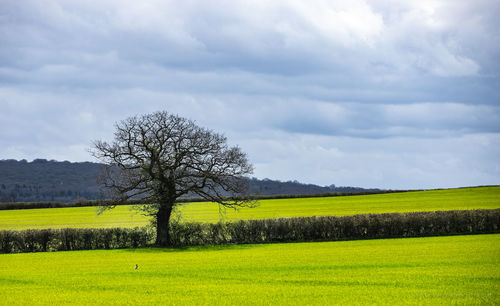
(160, 157)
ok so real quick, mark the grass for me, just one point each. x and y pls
(463, 198)
(73, 217)
(122, 216)
(436, 270)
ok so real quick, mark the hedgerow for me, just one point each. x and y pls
(71, 239)
(328, 228)
(331, 228)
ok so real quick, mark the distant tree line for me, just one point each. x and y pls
(90, 203)
(330, 228)
(52, 181)
(43, 180)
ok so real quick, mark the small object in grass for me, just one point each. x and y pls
(136, 266)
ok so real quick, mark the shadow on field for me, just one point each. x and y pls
(195, 248)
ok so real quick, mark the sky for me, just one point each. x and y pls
(376, 94)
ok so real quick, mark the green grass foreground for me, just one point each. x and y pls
(436, 270)
(122, 216)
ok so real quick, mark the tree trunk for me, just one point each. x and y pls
(163, 224)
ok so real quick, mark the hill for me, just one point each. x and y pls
(44, 180)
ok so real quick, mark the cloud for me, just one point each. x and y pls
(323, 91)
(330, 50)
(390, 120)
(397, 162)
(245, 36)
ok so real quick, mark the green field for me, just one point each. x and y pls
(122, 216)
(436, 270)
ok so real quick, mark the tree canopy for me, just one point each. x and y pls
(160, 157)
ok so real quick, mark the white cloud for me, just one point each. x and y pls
(394, 163)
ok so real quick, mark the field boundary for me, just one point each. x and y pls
(301, 229)
(92, 203)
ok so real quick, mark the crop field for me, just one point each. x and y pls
(73, 217)
(123, 216)
(435, 270)
(466, 198)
